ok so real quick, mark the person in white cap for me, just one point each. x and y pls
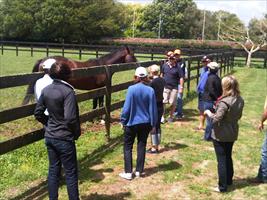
(212, 91)
(138, 118)
(45, 80)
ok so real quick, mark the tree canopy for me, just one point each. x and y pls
(85, 20)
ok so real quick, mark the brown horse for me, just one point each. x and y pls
(123, 55)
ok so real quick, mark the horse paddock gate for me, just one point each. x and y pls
(193, 63)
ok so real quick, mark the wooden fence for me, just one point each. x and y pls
(152, 52)
(193, 63)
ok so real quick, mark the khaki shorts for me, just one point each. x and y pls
(170, 96)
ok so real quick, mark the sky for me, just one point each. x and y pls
(244, 9)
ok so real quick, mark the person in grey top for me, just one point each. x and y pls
(228, 111)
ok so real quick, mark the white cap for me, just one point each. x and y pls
(154, 68)
(48, 63)
(141, 72)
(213, 65)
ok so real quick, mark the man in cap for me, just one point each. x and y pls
(200, 90)
(138, 117)
(212, 91)
(46, 79)
(173, 76)
(180, 64)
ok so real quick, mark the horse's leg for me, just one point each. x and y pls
(95, 102)
(101, 101)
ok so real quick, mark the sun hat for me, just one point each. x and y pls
(48, 63)
(170, 53)
(141, 72)
(154, 68)
(177, 51)
(213, 65)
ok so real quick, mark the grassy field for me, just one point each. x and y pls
(184, 169)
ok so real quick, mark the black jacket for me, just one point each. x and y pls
(213, 88)
(63, 120)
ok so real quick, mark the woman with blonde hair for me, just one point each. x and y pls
(228, 111)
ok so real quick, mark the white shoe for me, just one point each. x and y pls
(162, 120)
(127, 176)
(102, 122)
(138, 174)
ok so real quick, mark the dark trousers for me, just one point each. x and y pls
(140, 131)
(62, 152)
(99, 101)
(223, 152)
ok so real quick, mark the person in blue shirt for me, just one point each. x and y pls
(200, 90)
(138, 118)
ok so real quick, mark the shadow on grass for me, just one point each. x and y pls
(172, 146)
(40, 191)
(172, 165)
(37, 192)
(244, 182)
(96, 196)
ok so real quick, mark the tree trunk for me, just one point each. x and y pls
(249, 59)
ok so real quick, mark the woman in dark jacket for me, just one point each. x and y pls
(228, 111)
(62, 128)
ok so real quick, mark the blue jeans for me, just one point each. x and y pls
(262, 174)
(225, 168)
(140, 131)
(179, 104)
(62, 152)
(208, 105)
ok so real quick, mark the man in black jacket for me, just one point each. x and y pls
(212, 90)
(62, 128)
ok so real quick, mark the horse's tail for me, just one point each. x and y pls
(30, 89)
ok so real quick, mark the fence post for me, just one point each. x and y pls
(63, 51)
(47, 51)
(189, 75)
(17, 50)
(80, 53)
(152, 56)
(31, 51)
(108, 101)
(2, 49)
(96, 54)
(198, 67)
(265, 62)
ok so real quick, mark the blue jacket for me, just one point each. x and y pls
(202, 80)
(140, 106)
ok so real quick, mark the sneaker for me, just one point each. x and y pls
(152, 151)
(102, 122)
(180, 116)
(127, 176)
(162, 120)
(138, 174)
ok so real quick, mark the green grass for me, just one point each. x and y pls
(186, 168)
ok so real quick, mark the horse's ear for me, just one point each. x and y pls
(127, 49)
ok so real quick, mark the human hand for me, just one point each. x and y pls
(153, 130)
(207, 112)
(260, 126)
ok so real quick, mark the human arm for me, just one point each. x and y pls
(181, 88)
(262, 120)
(221, 110)
(126, 108)
(39, 111)
(71, 114)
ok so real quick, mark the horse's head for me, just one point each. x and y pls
(129, 57)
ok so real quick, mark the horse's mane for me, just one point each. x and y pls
(108, 56)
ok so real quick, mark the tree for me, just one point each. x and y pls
(61, 20)
(251, 38)
(165, 17)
